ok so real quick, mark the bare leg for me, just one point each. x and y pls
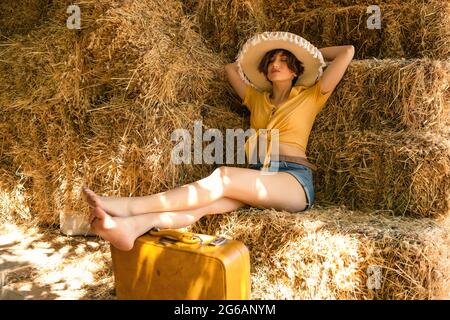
(123, 231)
(189, 196)
(279, 191)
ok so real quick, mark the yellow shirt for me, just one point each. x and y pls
(293, 119)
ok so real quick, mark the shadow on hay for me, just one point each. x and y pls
(39, 269)
(14, 271)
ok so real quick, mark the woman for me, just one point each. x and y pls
(281, 92)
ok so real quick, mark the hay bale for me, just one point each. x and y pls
(335, 253)
(275, 7)
(414, 29)
(15, 201)
(121, 50)
(6, 139)
(407, 173)
(395, 95)
(226, 25)
(32, 152)
(45, 68)
(19, 17)
(41, 71)
(148, 52)
(122, 149)
(133, 52)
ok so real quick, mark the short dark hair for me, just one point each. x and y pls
(293, 63)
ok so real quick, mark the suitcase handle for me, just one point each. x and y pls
(185, 237)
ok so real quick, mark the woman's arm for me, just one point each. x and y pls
(235, 80)
(339, 57)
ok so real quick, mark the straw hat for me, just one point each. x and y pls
(256, 47)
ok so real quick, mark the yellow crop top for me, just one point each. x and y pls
(293, 119)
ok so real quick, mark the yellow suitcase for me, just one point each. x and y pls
(174, 265)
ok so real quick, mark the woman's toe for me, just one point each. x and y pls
(99, 213)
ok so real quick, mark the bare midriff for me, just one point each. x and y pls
(288, 150)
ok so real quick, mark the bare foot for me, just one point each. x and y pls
(114, 206)
(119, 231)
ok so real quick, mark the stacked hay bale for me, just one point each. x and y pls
(226, 25)
(399, 95)
(406, 173)
(411, 29)
(98, 105)
(382, 140)
(336, 253)
(40, 91)
(40, 72)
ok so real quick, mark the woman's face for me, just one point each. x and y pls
(278, 69)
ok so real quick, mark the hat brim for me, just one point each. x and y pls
(256, 47)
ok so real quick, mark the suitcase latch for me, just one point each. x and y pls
(167, 240)
(218, 241)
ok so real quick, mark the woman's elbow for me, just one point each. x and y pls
(351, 49)
(349, 52)
(228, 67)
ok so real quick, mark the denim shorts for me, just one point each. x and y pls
(302, 173)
